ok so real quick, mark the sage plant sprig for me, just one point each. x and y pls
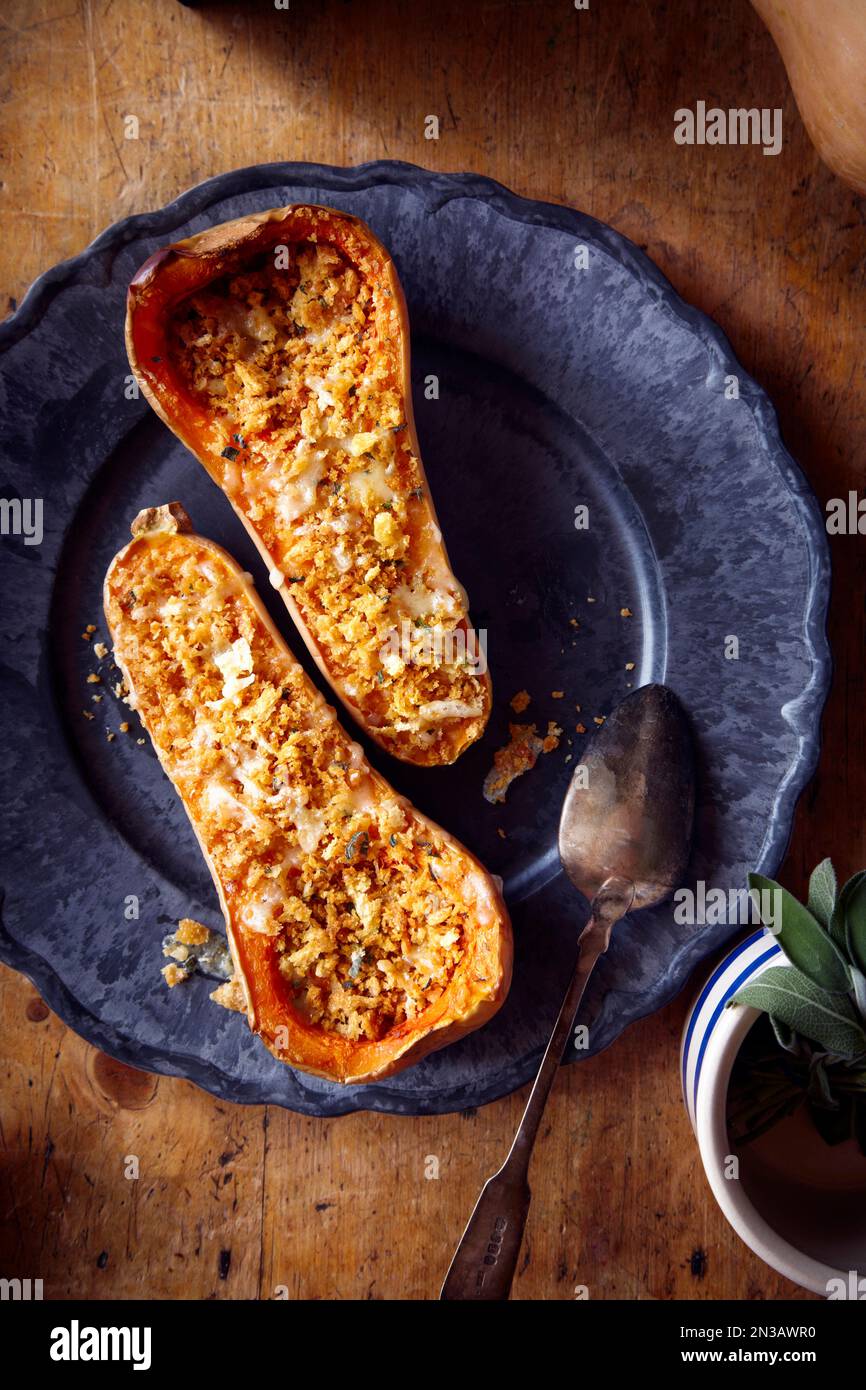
(816, 1005)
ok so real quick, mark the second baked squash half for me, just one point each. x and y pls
(363, 935)
(276, 347)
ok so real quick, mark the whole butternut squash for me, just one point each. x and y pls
(823, 46)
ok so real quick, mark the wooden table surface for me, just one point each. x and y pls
(569, 106)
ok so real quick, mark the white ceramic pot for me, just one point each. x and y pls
(800, 1205)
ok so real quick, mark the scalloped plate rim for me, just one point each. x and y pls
(809, 704)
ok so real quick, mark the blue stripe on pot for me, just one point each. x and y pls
(740, 965)
(729, 992)
(702, 997)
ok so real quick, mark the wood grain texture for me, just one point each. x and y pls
(574, 107)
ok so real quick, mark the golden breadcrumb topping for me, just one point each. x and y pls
(366, 906)
(291, 359)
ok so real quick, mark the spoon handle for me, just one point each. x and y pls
(486, 1258)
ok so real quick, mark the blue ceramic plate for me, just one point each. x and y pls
(570, 375)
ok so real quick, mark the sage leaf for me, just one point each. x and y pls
(855, 925)
(837, 921)
(822, 892)
(767, 1120)
(804, 941)
(858, 982)
(818, 1086)
(834, 1125)
(785, 1036)
(787, 994)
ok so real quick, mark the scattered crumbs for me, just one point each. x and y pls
(91, 628)
(626, 613)
(577, 707)
(94, 679)
(590, 600)
(598, 719)
(140, 742)
(110, 736)
(520, 701)
(573, 622)
(85, 636)
(629, 665)
(120, 689)
(173, 975)
(581, 728)
(97, 699)
(124, 728)
(552, 737)
(87, 714)
(501, 833)
(568, 757)
(557, 694)
(100, 650)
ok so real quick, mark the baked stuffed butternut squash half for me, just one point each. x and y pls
(276, 347)
(363, 936)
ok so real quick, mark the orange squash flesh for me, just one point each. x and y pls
(363, 936)
(276, 347)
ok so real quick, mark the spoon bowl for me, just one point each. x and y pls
(629, 808)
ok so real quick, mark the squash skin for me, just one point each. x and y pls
(823, 47)
(173, 273)
(480, 983)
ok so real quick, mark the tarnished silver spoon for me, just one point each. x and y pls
(624, 839)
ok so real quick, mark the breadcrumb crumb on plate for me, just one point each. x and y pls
(174, 974)
(518, 756)
(192, 933)
(231, 996)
